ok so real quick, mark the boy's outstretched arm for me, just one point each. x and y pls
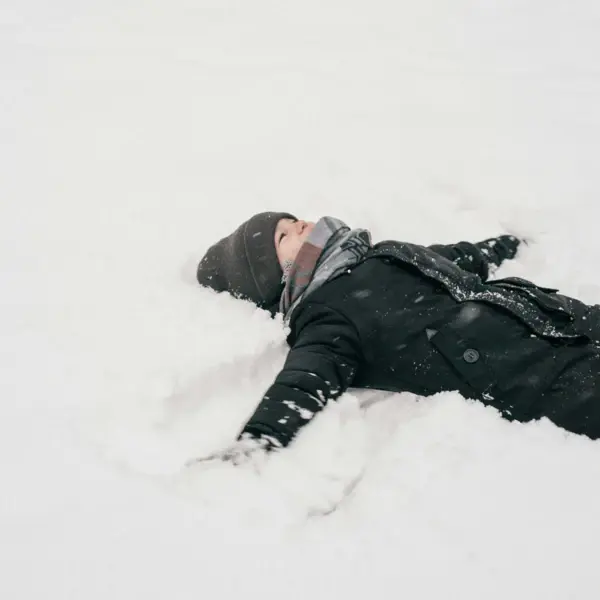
(321, 365)
(479, 257)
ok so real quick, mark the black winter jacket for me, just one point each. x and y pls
(422, 320)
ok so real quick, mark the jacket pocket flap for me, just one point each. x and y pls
(466, 359)
(518, 282)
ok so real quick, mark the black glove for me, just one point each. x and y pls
(499, 249)
(245, 449)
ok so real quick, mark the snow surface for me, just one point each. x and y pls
(133, 135)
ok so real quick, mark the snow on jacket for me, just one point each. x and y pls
(423, 320)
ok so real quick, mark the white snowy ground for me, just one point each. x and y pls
(133, 135)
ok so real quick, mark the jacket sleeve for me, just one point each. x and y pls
(478, 258)
(320, 367)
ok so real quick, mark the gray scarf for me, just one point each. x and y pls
(330, 249)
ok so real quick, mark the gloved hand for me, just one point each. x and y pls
(498, 249)
(245, 449)
(507, 246)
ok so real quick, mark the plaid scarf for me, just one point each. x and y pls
(331, 248)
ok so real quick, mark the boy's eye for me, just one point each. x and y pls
(281, 237)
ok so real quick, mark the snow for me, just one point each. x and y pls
(135, 134)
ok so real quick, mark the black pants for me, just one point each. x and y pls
(572, 399)
(587, 317)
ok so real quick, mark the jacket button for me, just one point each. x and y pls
(470, 355)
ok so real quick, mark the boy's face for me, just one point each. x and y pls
(289, 236)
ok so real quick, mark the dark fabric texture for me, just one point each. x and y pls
(245, 262)
(422, 320)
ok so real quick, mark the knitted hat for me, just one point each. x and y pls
(245, 263)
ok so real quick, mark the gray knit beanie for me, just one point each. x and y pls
(245, 263)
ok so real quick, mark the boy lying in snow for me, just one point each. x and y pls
(402, 317)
